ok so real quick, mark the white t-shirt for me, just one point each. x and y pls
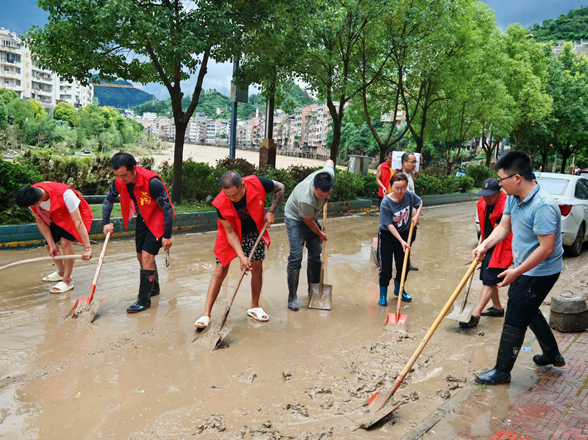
(71, 201)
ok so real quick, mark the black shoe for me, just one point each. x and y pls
(293, 278)
(493, 311)
(511, 341)
(542, 360)
(411, 267)
(547, 342)
(144, 299)
(472, 323)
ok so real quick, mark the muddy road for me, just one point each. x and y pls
(145, 376)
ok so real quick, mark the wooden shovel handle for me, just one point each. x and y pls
(432, 329)
(324, 244)
(99, 268)
(403, 275)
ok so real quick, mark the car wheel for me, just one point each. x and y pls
(576, 247)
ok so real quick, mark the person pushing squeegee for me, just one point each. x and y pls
(241, 217)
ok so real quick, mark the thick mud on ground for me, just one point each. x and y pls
(145, 376)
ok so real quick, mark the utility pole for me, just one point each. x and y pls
(233, 126)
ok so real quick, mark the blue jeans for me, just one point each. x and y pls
(298, 235)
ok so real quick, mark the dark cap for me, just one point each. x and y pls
(489, 187)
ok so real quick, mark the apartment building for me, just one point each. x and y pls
(21, 73)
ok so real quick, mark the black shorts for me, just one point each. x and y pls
(247, 244)
(57, 232)
(145, 240)
(489, 275)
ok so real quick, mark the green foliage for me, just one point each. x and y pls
(427, 184)
(479, 173)
(14, 176)
(21, 110)
(369, 186)
(8, 95)
(570, 27)
(66, 112)
(346, 186)
(241, 166)
(199, 180)
(38, 109)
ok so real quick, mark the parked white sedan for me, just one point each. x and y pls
(571, 194)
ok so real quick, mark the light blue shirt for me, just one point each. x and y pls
(538, 214)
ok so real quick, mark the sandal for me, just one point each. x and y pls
(258, 314)
(54, 277)
(202, 322)
(61, 287)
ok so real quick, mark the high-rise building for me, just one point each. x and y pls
(20, 72)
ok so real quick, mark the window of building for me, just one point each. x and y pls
(9, 57)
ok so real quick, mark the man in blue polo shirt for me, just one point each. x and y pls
(535, 220)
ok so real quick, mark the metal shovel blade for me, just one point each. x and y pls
(397, 321)
(461, 312)
(85, 309)
(381, 406)
(321, 297)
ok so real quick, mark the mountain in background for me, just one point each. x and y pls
(119, 97)
(570, 27)
(211, 100)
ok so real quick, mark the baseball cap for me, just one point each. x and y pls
(489, 187)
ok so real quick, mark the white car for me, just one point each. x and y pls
(571, 194)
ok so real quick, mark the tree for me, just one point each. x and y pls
(163, 41)
(21, 110)
(7, 95)
(38, 109)
(66, 112)
(527, 75)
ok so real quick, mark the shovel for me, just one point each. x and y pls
(321, 294)
(462, 311)
(378, 406)
(396, 318)
(83, 308)
(226, 315)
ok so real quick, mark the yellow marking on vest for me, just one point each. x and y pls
(145, 198)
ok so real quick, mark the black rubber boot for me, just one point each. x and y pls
(144, 299)
(293, 278)
(155, 288)
(510, 345)
(313, 274)
(546, 339)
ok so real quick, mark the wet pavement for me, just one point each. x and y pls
(145, 376)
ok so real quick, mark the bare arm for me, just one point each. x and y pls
(499, 233)
(314, 228)
(46, 232)
(278, 192)
(235, 243)
(545, 249)
(379, 179)
(417, 216)
(81, 228)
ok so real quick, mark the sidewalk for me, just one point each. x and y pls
(539, 404)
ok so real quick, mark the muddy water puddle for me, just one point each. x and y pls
(144, 376)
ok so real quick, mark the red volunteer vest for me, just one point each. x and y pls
(386, 176)
(150, 210)
(255, 205)
(502, 256)
(59, 213)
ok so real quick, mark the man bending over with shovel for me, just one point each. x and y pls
(241, 217)
(535, 220)
(498, 258)
(302, 210)
(142, 192)
(62, 215)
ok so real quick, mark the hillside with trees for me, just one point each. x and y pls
(211, 100)
(119, 97)
(570, 27)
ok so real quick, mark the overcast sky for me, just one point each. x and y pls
(19, 15)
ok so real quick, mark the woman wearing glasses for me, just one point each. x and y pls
(396, 214)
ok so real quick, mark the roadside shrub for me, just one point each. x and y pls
(199, 180)
(346, 186)
(241, 166)
(14, 176)
(369, 186)
(442, 184)
(480, 173)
